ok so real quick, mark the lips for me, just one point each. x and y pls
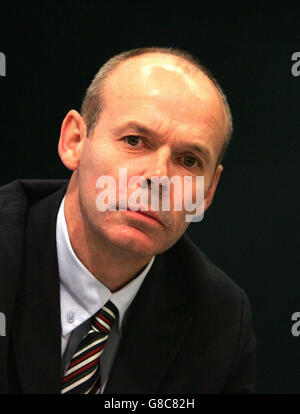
(152, 215)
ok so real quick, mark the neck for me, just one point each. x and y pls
(114, 267)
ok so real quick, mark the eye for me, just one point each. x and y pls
(190, 161)
(132, 140)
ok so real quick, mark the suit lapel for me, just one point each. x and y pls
(152, 336)
(36, 328)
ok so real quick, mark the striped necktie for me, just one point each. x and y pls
(83, 373)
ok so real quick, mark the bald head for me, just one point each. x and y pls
(172, 73)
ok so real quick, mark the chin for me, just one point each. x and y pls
(135, 241)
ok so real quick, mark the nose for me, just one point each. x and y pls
(157, 164)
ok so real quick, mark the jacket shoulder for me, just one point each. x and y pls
(221, 335)
(16, 197)
(201, 270)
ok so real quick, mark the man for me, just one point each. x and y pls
(170, 320)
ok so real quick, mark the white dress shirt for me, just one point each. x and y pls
(82, 295)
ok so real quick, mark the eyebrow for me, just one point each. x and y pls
(201, 150)
(143, 130)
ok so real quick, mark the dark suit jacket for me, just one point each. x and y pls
(189, 329)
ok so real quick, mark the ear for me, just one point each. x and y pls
(211, 191)
(72, 135)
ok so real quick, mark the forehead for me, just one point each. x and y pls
(155, 74)
(163, 86)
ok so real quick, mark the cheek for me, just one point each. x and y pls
(94, 163)
(179, 224)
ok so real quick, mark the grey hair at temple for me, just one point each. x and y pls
(93, 101)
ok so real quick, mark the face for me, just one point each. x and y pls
(157, 121)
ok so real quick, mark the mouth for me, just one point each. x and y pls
(152, 215)
(148, 216)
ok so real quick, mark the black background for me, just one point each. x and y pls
(53, 49)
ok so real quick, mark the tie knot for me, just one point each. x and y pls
(105, 317)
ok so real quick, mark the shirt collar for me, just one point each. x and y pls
(81, 294)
